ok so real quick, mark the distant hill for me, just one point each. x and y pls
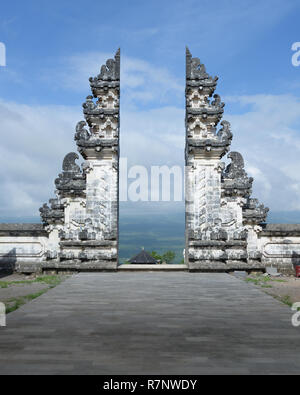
(162, 231)
(153, 231)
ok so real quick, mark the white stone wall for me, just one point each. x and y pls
(26, 248)
(23, 253)
(280, 252)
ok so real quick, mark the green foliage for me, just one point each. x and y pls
(15, 303)
(5, 284)
(168, 257)
(156, 256)
(263, 280)
(286, 300)
(50, 280)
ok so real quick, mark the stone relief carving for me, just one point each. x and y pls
(198, 70)
(235, 181)
(110, 71)
(282, 249)
(236, 168)
(224, 133)
(71, 179)
(217, 101)
(81, 132)
(109, 100)
(254, 212)
(89, 105)
(53, 214)
(69, 164)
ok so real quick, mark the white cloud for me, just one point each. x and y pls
(141, 82)
(268, 135)
(262, 184)
(154, 136)
(34, 142)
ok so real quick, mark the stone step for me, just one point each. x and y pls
(145, 268)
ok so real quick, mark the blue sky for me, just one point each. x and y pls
(247, 43)
(53, 47)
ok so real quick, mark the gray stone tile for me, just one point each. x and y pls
(151, 323)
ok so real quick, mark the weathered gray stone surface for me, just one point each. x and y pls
(22, 230)
(143, 323)
(218, 198)
(289, 230)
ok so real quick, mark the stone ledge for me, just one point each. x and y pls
(217, 243)
(15, 230)
(145, 267)
(229, 265)
(281, 230)
(89, 243)
(81, 266)
(28, 267)
(211, 83)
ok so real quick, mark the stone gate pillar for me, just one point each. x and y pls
(85, 214)
(100, 148)
(204, 149)
(217, 199)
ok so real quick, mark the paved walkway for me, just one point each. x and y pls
(151, 323)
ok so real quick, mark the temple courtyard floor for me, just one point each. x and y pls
(151, 323)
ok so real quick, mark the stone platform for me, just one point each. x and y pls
(151, 323)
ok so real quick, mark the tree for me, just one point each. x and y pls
(168, 256)
(156, 255)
